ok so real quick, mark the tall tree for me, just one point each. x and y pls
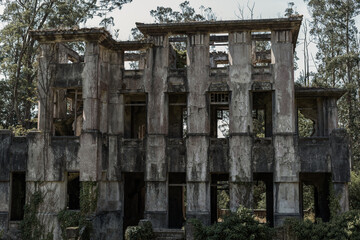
(186, 14)
(335, 32)
(18, 51)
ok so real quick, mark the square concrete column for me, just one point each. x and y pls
(90, 139)
(240, 142)
(197, 142)
(287, 166)
(47, 64)
(340, 166)
(155, 75)
(5, 144)
(115, 115)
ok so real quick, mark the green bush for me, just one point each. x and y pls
(354, 190)
(240, 225)
(144, 232)
(345, 226)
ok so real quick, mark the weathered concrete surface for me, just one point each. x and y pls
(287, 166)
(240, 142)
(5, 142)
(157, 125)
(197, 144)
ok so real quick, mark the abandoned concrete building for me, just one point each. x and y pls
(163, 125)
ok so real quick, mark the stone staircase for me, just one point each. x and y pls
(167, 234)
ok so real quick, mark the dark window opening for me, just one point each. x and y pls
(219, 50)
(73, 191)
(219, 115)
(177, 116)
(134, 199)
(18, 193)
(68, 110)
(263, 198)
(177, 200)
(262, 114)
(314, 192)
(135, 116)
(220, 198)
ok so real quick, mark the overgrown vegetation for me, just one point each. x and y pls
(345, 226)
(82, 219)
(32, 228)
(354, 190)
(143, 232)
(239, 225)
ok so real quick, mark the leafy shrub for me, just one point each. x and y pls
(240, 225)
(144, 232)
(354, 190)
(345, 226)
(31, 227)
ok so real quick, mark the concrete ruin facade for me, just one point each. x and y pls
(145, 135)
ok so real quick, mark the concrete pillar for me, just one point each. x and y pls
(5, 143)
(287, 166)
(240, 142)
(197, 142)
(115, 116)
(156, 200)
(332, 115)
(47, 61)
(340, 166)
(90, 140)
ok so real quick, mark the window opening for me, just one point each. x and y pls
(219, 50)
(177, 200)
(263, 197)
(68, 108)
(134, 199)
(262, 114)
(177, 116)
(18, 193)
(261, 49)
(73, 190)
(314, 192)
(220, 200)
(307, 118)
(135, 116)
(177, 51)
(134, 60)
(219, 112)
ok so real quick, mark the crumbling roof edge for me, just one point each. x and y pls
(100, 35)
(314, 92)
